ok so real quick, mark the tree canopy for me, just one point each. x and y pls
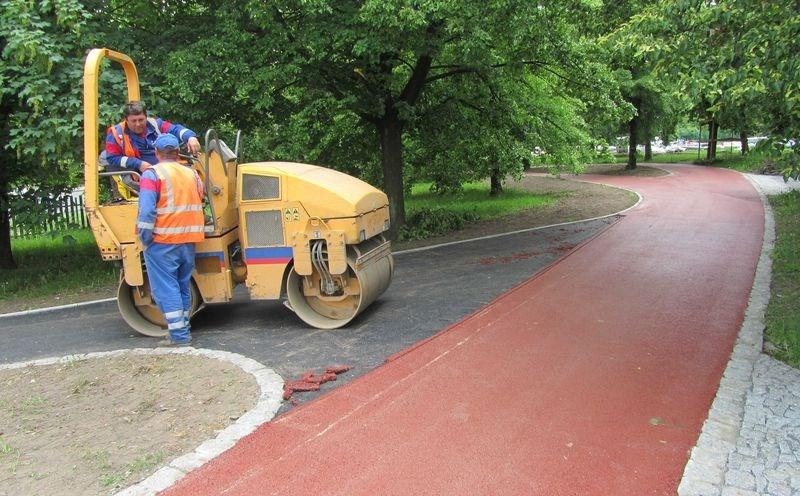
(395, 90)
(40, 111)
(732, 59)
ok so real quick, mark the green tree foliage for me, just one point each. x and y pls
(42, 49)
(373, 86)
(40, 105)
(734, 58)
(653, 97)
(397, 91)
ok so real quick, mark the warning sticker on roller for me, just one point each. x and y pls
(291, 214)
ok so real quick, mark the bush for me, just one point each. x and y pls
(433, 221)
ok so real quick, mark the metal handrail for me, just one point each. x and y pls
(120, 173)
(207, 150)
(237, 148)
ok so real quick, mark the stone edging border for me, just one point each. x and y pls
(55, 308)
(269, 401)
(704, 473)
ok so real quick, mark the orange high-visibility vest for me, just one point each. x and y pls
(179, 211)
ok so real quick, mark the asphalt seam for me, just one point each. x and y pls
(483, 309)
(269, 401)
(704, 474)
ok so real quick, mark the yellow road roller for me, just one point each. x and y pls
(311, 235)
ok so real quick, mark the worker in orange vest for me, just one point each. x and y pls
(130, 144)
(169, 223)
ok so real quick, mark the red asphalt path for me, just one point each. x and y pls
(593, 377)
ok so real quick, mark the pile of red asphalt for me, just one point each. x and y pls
(310, 381)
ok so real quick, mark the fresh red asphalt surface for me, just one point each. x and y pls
(593, 377)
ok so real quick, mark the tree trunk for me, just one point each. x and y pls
(648, 150)
(633, 126)
(497, 183)
(714, 141)
(6, 257)
(743, 141)
(390, 131)
(711, 152)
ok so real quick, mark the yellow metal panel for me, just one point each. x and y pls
(302, 254)
(324, 192)
(216, 287)
(106, 240)
(121, 219)
(337, 252)
(221, 191)
(371, 223)
(265, 281)
(132, 264)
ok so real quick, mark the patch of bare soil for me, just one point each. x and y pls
(576, 200)
(98, 425)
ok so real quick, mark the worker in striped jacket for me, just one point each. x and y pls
(169, 223)
(130, 144)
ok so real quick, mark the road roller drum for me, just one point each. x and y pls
(369, 272)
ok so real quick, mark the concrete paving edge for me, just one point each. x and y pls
(704, 473)
(269, 401)
(53, 309)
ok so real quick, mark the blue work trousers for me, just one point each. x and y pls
(169, 269)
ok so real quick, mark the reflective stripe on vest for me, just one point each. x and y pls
(179, 211)
(178, 230)
(182, 208)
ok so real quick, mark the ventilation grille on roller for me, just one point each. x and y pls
(264, 228)
(260, 187)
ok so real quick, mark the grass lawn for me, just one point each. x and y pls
(430, 214)
(475, 198)
(783, 313)
(49, 266)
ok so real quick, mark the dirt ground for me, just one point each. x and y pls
(95, 426)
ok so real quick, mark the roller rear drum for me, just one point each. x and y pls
(146, 318)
